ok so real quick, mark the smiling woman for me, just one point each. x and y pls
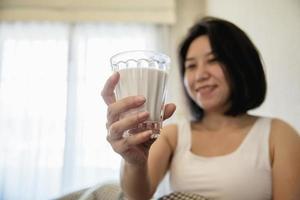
(224, 152)
(51, 116)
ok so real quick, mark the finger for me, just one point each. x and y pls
(107, 92)
(135, 140)
(123, 105)
(121, 146)
(117, 129)
(169, 110)
(138, 138)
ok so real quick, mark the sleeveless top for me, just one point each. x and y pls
(241, 175)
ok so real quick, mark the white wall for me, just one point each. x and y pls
(274, 26)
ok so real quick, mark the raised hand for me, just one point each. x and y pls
(134, 149)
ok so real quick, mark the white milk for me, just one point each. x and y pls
(150, 83)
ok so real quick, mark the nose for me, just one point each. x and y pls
(201, 72)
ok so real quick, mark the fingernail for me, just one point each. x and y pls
(140, 98)
(143, 115)
(149, 132)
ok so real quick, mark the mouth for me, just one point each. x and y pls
(206, 90)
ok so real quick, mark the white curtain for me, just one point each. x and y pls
(52, 118)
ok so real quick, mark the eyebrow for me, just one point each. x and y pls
(205, 55)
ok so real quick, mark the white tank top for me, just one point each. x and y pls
(241, 175)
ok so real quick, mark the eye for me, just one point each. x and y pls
(212, 60)
(190, 65)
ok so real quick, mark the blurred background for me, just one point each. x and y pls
(54, 60)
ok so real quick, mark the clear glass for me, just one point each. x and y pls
(143, 73)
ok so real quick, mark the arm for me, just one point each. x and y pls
(140, 182)
(285, 144)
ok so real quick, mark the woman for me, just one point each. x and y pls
(223, 153)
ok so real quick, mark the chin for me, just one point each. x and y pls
(209, 107)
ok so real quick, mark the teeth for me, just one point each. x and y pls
(205, 89)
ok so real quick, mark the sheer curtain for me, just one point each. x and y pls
(52, 118)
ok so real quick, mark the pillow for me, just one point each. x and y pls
(182, 196)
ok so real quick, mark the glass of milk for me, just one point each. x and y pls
(143, 73)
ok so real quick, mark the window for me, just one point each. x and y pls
(52, 117)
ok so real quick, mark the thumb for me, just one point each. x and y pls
(107, 92)
(169, 110)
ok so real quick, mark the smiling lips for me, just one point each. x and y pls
(205, 90)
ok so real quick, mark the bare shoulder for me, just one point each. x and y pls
(285, 160)
(281, 130)
(169, 132)
(284, 138)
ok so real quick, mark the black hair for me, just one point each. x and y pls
(239, 58)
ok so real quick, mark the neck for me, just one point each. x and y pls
(217, 121)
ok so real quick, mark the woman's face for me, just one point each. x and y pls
(204, 77)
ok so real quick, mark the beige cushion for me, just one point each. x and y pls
(108, 191)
